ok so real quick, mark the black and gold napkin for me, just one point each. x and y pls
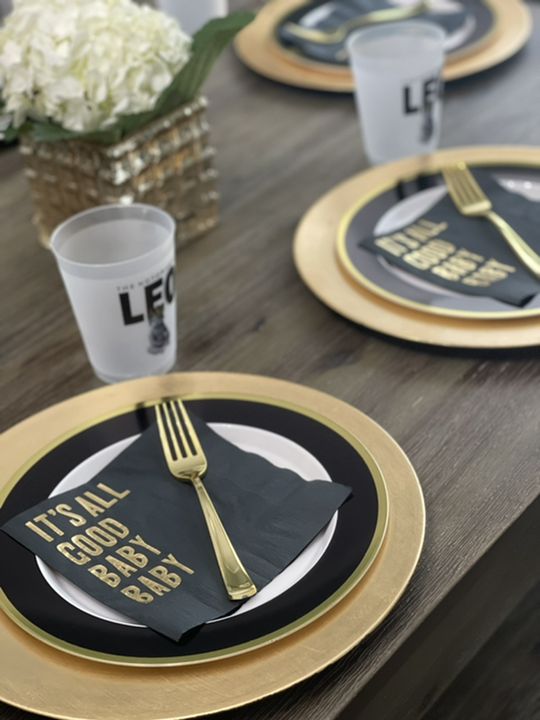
(340, 12)
(464, 254)
(135, 538)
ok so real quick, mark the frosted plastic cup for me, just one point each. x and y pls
(118, 266)
(397, 69)
(193, 14)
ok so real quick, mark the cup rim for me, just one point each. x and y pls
(380, 29)
(67, 263)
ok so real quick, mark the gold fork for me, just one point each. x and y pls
(332, 37)
(471, 201)
(186, 461)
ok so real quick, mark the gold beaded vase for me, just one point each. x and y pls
(169, 163)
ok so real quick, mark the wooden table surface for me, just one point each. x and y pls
(469, 421)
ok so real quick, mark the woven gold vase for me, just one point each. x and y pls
(169, 163)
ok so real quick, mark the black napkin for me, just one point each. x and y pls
(343, 11)
(468, 255)
(135, 537)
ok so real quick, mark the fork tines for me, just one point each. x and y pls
(176, 427)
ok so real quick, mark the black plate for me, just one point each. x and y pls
(333, 54)
(364, 222)
(39, 604)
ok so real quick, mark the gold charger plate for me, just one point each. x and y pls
(79, 689)
(318, 264)
(236, 646)
(259, 49)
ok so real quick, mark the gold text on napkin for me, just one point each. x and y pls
(127, 562)
(421, 246)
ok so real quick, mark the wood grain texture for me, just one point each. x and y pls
(469, 421)
(502, 681)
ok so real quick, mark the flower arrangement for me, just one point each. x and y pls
(100, 69)
(104, 96)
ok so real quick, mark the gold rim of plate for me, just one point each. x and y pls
(259, 49)
(359, 277)
(359, 300)
(348, 585)
(115, 692)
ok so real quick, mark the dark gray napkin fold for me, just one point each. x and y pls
(343, 11)
(496, 272)
(270, 514)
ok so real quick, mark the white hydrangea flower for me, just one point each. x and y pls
(82, 63)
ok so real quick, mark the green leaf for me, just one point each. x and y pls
(208, 44)
(130, 123)
(50, 132)
(10, 135)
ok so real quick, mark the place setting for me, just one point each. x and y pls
(195, 527)
(432, 246)
(473, 291)
(306, 44)
(175, 535)
(476, 271)
(178, 541)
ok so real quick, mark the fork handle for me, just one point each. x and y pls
(375, 17)
(524, 252)
(235, 577)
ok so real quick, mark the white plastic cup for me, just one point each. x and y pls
(397, 69)
(118, 266)
(193, 14)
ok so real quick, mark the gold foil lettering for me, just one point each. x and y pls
(495, 264)
(461, 265)
(114, 493)
(476, 281)
(124, 568)
(87, 545)
(99, 500)
(421, 246)
(407, 241)
(45, 520)
(90, 507)
(418, 260)
(137, 540)
(34, 528)
(391, 246)
(470, 255)
(134, 593)
(493, 271)
(169, 578)
(130, 554)
(75, 519)
(171, 560)
(103, 574)
(101, 536)
(114, 527)
(78, 559)
(418, 233)
(155, 587)
(443, 247)
(126, 561)
(446, 272)
(433, 227)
